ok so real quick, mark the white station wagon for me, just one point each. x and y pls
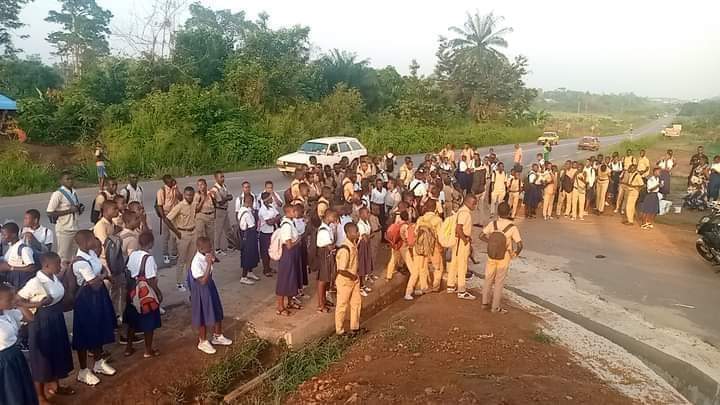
(328, 151)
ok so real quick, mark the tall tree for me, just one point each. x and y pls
(83, 37)
(479, 37)
(10, 20)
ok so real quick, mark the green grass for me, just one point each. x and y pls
(240, 360)
(581, 124)
(20, 175)
(541, 337)
(645, 142)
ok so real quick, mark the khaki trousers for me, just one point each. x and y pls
(495, 275)
(600, 194)
(65, 245)
(632, 197)
(397, 258)
(548, 197)
(421, 276)
(458, 266)
(169, 242)
(222, 228)
(563, 202)
(348, 295)
(622, 195)
(495, 199)
(186, 251)
(514, 201)
(577, 200)
(205, 226)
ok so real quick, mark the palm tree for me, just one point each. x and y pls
(479, 37)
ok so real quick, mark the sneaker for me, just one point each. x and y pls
(181, 288)
(86, 376)
(219, 252)
(162, 311)
(450, 290)
(418, 292)
(367, 289)
(102, 367)
(252, 276)
(409, 298)
(173, 257)
(582, 219)
(374, 277)
(615, 211)
(221, 340)
(246, 281)
(466, 296)
(166, 259)
(363, 293)
(206, 347)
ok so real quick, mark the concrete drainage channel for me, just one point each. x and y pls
(696, 386)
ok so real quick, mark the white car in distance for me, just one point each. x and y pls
(328, 151)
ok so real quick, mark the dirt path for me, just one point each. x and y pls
(440, 350)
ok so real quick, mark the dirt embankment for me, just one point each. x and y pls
(442, 350)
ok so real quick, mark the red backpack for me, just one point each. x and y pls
(392, 235)
(411, 236)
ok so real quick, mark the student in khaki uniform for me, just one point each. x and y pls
(461, 251)
(622, 193)
(204, 211)
(499, 181)
(549, 178)
(166, 199)
(222, 221)
(105, 194)
(603, 182)
(348, 187)
(432, 221)
(565, 181)
(299, 178)
(130, 234)
(102, 230)
(181, 221)
(514, 187)
(628, 160)
(634, 184)
(406, 172)
(64, 209)
(347, 282)
(496, 270)
(643, 165)
(401, 254)
(577, 198)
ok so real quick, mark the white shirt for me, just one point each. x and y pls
(135, 261)
(246, 219)
(378, 196)
(393, 198)
(9, 327)
(463, 166)
(288, 231)
(590, 175)
(88, 269)
(240, 204)
(715, 167)
(41, 286)
(666, 164)
(199, 266)
(345, 219)
(17, 258)
(132, 194)
(265, 214)
(300, 225)
(364, 227)
(446, 166)
(42, 234)
(58, 202)
(325, 236)
(418, 188)
(653, 184)
(616, 166)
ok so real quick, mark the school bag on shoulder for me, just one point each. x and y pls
(567, 183)
(114, 255)
(143, 296)
(35, 255)
(392, 235)
(287, 195)
(410, 235)
(425, 241)
(71, 201)
(157, 206)
(446, 236)
(275, 249)
(96, 214)
(69, 283)
(497, 242)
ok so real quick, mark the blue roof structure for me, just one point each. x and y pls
(7, 103)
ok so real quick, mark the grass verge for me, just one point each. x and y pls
(541, 337)
(20, 175)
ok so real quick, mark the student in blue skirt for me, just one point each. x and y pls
(141, 265)
(19, 257)
(207, 309)
(16, 385)
(94, 318)
(289, 267)
(250, 251)
(50, 353)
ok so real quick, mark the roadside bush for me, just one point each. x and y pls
(60, 117)
(20, 175)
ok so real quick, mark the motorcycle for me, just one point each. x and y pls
(708, 244)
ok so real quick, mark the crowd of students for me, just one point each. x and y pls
(329, 227)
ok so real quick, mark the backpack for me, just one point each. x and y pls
(567, 183)
(157, 206)
(276, 244)
(114, 255)
(425, 241)
(315, 219)
(497, 242)
(142, 296)
(287, 195)
(35, 255)
(95, 214)
(446, 236)
(69, 282)
(71, 201)
(411, 236)
(392, 235)
(389, 164)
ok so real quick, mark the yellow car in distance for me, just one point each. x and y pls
(549, 136)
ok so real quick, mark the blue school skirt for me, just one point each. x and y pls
(289, 276)
(18, 279)
(94, 319)
(141, 322)
(250, 252)
(207, 309)
(304, 262)
(264, 242)
(365, 259)
(50, 353)
(16, 385)
(650, 204)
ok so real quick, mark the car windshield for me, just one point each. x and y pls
(588, 139)
(313, 147)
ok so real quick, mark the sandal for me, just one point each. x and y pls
(129, 352)
(323, 310)
(62, 391)
(282, 312)
(154, 353)
(294, 305)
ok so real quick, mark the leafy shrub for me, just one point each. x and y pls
(20, 175)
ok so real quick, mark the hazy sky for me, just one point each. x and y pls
(652, 48)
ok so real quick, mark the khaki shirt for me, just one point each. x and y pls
(634, 180)
(464, 218)
(405, 175)
(102, 229)
(348, 189)
(628, 161)
(580, 183)
(514, 185)
(347, 259)
(183, 216)
(101, 198)
(499, 181)
(603, 176)
(207, 206)
(58, 202)
(322, 206)
(167, 198)
(129, 240)
(512, 235)
(220, 193)
(642, 165)
(295, 188)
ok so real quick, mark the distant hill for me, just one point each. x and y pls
(585, 102)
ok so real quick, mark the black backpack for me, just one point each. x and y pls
(96, 214)
(497, 242)
(114, 255)
(567, 183)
